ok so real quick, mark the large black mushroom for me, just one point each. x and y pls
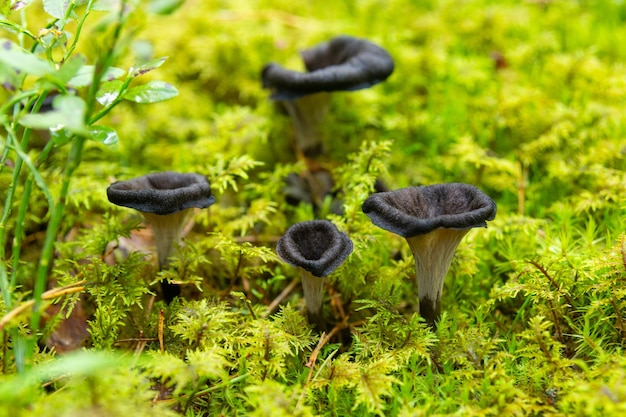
(433, 219)
(344, 63)
(166, 200)
(317, 248)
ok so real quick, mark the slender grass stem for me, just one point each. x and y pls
(34, 173)
(21, 158)
(19, 344)
(79, 28)
(8, 204)
(54, 226)
(57, 209)
(114, 103)
(21, 215)
(10, 26)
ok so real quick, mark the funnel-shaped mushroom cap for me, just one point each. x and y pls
(316, 246)
(162, 193)
(343, 63)
(416, 211)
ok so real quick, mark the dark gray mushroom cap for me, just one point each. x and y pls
(316, 246)
(343, 63)
(416, 211)
(162, 193)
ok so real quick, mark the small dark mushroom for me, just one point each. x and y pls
(433, 219)
(344, 63)
(166, 200)
(317, 247)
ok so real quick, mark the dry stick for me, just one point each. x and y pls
(161, 393)
(335, 302)
(323, 340)
(566, 296)
(285, 292)
(50, 294)
(266, 357)
(233, 280)
(550, 303)
(33, 237)
(150, 305)
(618, 316)
(316, 190)
(109, 252)
(161, 322)
(141, 344)
(313, 358)
(136, 339)
(134, 322)
(541, 269)
(237, 269)
(250, 309)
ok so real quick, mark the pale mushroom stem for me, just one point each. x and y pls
(167, 230)
(313, 289)
(433, 253)
(307, 114)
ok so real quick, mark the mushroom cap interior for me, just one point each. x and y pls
(316, 246)
(415, 211)
(343, 63)
(162, 193)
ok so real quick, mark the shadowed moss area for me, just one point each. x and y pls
(524, 100)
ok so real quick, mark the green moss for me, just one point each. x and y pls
(524, 100)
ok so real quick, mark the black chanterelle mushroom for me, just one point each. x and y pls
(166, 200)
(433, 219)
(343, 63)
(317, 247)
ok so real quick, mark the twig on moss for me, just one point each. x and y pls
(136, 339)
(568, 300)
(543, 347)
(161, 322)
(150, 305)
(109, 252)
(141, 344)
(324, 339)
(266, 356)
(552, 281)
(618, 316)
(335, 302)
(48, 295)
(237, 269)
(284, 293)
